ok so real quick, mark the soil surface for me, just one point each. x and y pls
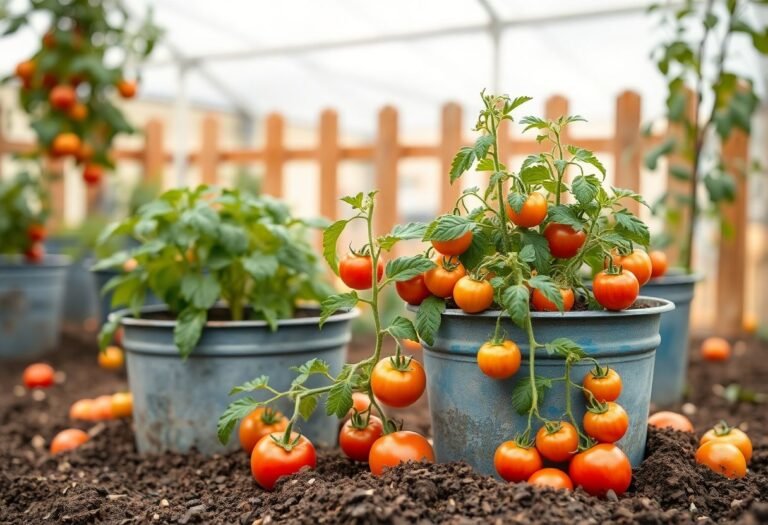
(106, 481)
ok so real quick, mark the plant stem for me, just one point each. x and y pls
(493, 130)
(532, 372)
(559, 175)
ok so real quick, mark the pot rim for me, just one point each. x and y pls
(129, 320)
(53, 260)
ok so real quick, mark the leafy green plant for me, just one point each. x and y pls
(204, 245)
(23, 212)
(694, 61)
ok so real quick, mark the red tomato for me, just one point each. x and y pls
(499, 360)
(126, 88)
(542, 304)
(715, 349)
(564, 242)
(533, 212)
(38, 375)
(454, 246)
(360, 402)
(607, 424)
(259, 423)
(356, 271)
(35, 252)
(36, 232)
(725, 434)
(356, 442)
(551, 477)
(516, 463)
(398, 447)
(615, 291)
(601, 468)
(270, 461)
(443, 278)
(557, 442)
(92, 174)
(413, 291)
(671, 420)
(638, 262)
(68, 439)
(25, 70)
(398, 384)
(658, 263)
(473, 296)
(724, 458)
(62, 97)
(604, 383)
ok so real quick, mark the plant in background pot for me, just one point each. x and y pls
(239, 279)
(708, 102)
(31, 283)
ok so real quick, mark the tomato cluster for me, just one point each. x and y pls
(725, 450)
(115, 406)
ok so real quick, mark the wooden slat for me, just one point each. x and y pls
(356, 152)
(208, 157)
(627, 145)
(450, 142)
(154, 152)
(385, 165)
(328, 158)
(274, 156)
(242, 156)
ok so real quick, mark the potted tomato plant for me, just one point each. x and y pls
(31, 283)
(238, 280)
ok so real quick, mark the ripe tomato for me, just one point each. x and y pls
(398, 384)
(85, 153)
(499, 360)
(671, 420)
(715, 349)
(542, 304)
(68, 439)
(615, 291)
(25, 70)
(604, 383)
(112, 358)
(551, 477)
(557, 442)
(82, 410)
(122, 404)
(62, 97)
(65, 144)
(658, 263)
(516, 463)
(356, 270)
(78, 112)
(356, 442)
(126, 88)
(130, 265)
(413, 291)
(36, 232)
(270, 461)
(259, 423)
(638, 262)
(398, 447)
(35, 252)
(724, 458)
(454, 246)
(92, 174)
(473, 296)
(102, 408)
(360, 402)
(601, 468)
(38, 375)
(442, 279)
(725, 434)
(607, 423)
(533, 212)
(564, 242)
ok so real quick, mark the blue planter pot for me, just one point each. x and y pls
(472, 414)
(672, 353)
(30, 305)
(81, 300)
(176, 404)
(102, 277)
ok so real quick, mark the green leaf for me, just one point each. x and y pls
(355, 201)
(188, 329)
(233, 238)
(201, 290)
(312, 367)
(535, 174)
(540, 246)
(330, 237)
(631, 227)
(515, 300)
(478, 249)
(522, 397)
(564, 214)
(516, 201)
(404, 268)
(720, 187)
(261, 267)
(531, 122)
(680, 172)
(549, 288)
(585, 188)
(107, 332)
(486, 164)
(333, 303)
(653, 156)
(566, 348)
(402, 232)
(587, 156)
(307, 406)
(429, 317)
(339, 401)
(259, 383)
(236, 411)
(402, 328)
(447, 228)
(467, 156)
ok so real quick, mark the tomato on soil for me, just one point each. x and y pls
(516, 463)
(102, 408)
(122, 404)
(398, 386)
(356, 442)
(715, 349)
(68, 439)
(259, 423)
(724, 458)
(557, 442)
(673, 420)
(355, 271)
(398, 447)
(564, 242)
(112, 358)
(454, 246)
(413, 291)
(499, 360)
(615, 291)
(601, 468)
(604, 384)
(270, 461)
(38, 375)
(658, 263)
(443, 278)
(473, 296)
(638, 263)
(542, 304)
(533, 212)
(607, 423)
(725, 434)
(82, 410)
(551, 477)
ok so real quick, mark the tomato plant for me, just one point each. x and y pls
(273, 457)
(722, 457)
(725, 434)
(24, 208)
(515, 462)
(38, 375)
(67, 440)
(358, 434)
(673, 420)
(601, 468)
(499, 359)
(551, 477)
(606, 422)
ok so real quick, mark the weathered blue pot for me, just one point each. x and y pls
(176, 403)
(81, 299)
(472, 414)
(102, 277)
(672, 353)
(30, 305)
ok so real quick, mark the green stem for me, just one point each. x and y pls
(499, 185)
(532, 345)
(559, 175)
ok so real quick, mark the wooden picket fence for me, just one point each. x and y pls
(627, 145)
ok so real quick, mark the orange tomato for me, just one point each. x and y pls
(601, 468)
(473, 296)
(65, 144)
(638, 263)
(38, 375)
(126, 88)
(542, 304)
(499, 360)
(725, 434)
(398, 384)
(724, 458)
(82, 410)
(78, 112)
(604, 384)
(68, 439)
(122, 404)
(259, 423)
(659, 263)
(85, 153)
(102, 408)
(454, 246)
(25, 70)
(557, 442)
(398, 447)
(112, 358)
(62, 97)
(442, 279)
(673, 420)
(360, 402)
(607, 423)
(533, 212)
(551, 477)
(715, 349)
(516, 463)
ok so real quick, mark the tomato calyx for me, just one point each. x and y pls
(597, 407)
(600, 372)
(449, 264)
(365, 251)
(722, 428)
(553, 427)
(611, 267)
(400, 362)
(285, 442)
(270, 417)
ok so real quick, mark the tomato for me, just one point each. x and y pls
(542, 304)
(259, 423)
(724, 458)
(615, 291)
(601, 468)
(715, 349)
(557, 442)
(603, 383)
(398, 384)
(658, 263)
(126, 88)
(473, 296)
(38, 375)
(398, 447)
(82, 410)
(35, 252)
(411, 345)
(62, 97)
(516, 463)
(122, 404)
(564, 242)
(499, 360)
(607, 423)
(355, 271)
(638, 262)
(50, 80)
(551, 477)
(65, 144)
(533, 212)
(112, 358)
(78, 112)
(36, 232)
(454, 246)
(360, 402)
(85, 153)
(725, 434)
(356, 442)
(102, 408)
(25, 70)
(92, 174)
(270, 461)
(68, 439)
(443, 278)
(413, 291)
(671, 420)
(130, 265)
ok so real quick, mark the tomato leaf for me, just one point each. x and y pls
(515, 300)
(402, 232)
(307, 406)
(585, 188)
(107, 332)
(566, 348)
(653, 156)
(261, 266)
(534, 174)
(540, 246)
(236, 411)
(564, 214)
(339, 400)
(478, 249)
(330, 237)
(549, 288)
(312, 367)
(402, 328)
(587, 156)
(516, 200)
(188, 329)
(429, 317)
(447, 228)
(201, 290)
(333, 303)
(259, 383)
(522, 397)
(355, 201)
(404, 268)
(631, 227)
(467, 156)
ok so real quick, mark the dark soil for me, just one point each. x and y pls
(106, 481)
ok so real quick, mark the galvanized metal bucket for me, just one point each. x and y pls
(30, 305)
(102, 277)
(472, 414)
(176, 404)
(80, 303)
(672, 353)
